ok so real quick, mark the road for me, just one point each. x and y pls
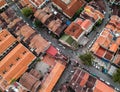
(67, 51)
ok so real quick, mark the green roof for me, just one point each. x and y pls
(68, 39)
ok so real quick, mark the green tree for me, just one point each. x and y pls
(13, 80)
(98, 23)
(77, 14)
(116, 76)
(27, 11)
(87, 58)
(37, 23)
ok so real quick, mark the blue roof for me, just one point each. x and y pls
(68, 22)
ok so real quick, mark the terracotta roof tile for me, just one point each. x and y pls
(29, 82)
(37, 2)
(2, 3)
(79, 21)
(95, 47)
(100, 52)
(74, 30)
(70, 8)
(84, 79)
(39, 44)
(19, 62)
(49, 60)
(101, 39)
(24, 2)
(108, 55)
(102, 87)
(113, 47)
(93, 15)
(52, 78)
(86, 24)
(6, 40)
(118, 41)
(111, 27)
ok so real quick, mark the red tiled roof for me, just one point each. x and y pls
(2, 3)
(39, 44)
(100, 52)
(92, 12)
(86, 24)
(110, 27)
(101, 39)
(19, 61)
(70, 8)
(74, 30)
(113, 47)
(6, 40)
(108, 55)
(52, 78)
(79, 21)
(95, 47)
(37, 2)
(52, 51)
(84, 79)
(49, 60)
(102, 87)
(26, 31)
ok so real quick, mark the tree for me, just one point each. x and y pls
(116, 76)
(87, 58)
(27, 11)
(77, 14)
(13, 80)
(99, 22)
(37, 23)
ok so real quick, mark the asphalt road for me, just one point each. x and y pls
(67, 51)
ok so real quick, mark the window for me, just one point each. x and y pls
(11, 65)
(6, 35)
(4, 71)
(24, 52)
(17, 58)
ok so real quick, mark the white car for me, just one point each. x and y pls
(107, 83)
(117, 89)
(101, 79)
(63, 47)
(60, 44)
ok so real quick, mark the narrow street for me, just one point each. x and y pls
(70, 53)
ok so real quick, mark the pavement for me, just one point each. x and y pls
(70, 53)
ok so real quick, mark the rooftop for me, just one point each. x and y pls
(37, 2)
(2, 3)
(30, 82)
(108, 40)
(9, 68)
(52, 51)
(39, 44)
(52, 19)
(74, 30)
(101, 87)
(32, 38)
(69, 7)
(6, 40)
(52, 78)
(69, 41)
